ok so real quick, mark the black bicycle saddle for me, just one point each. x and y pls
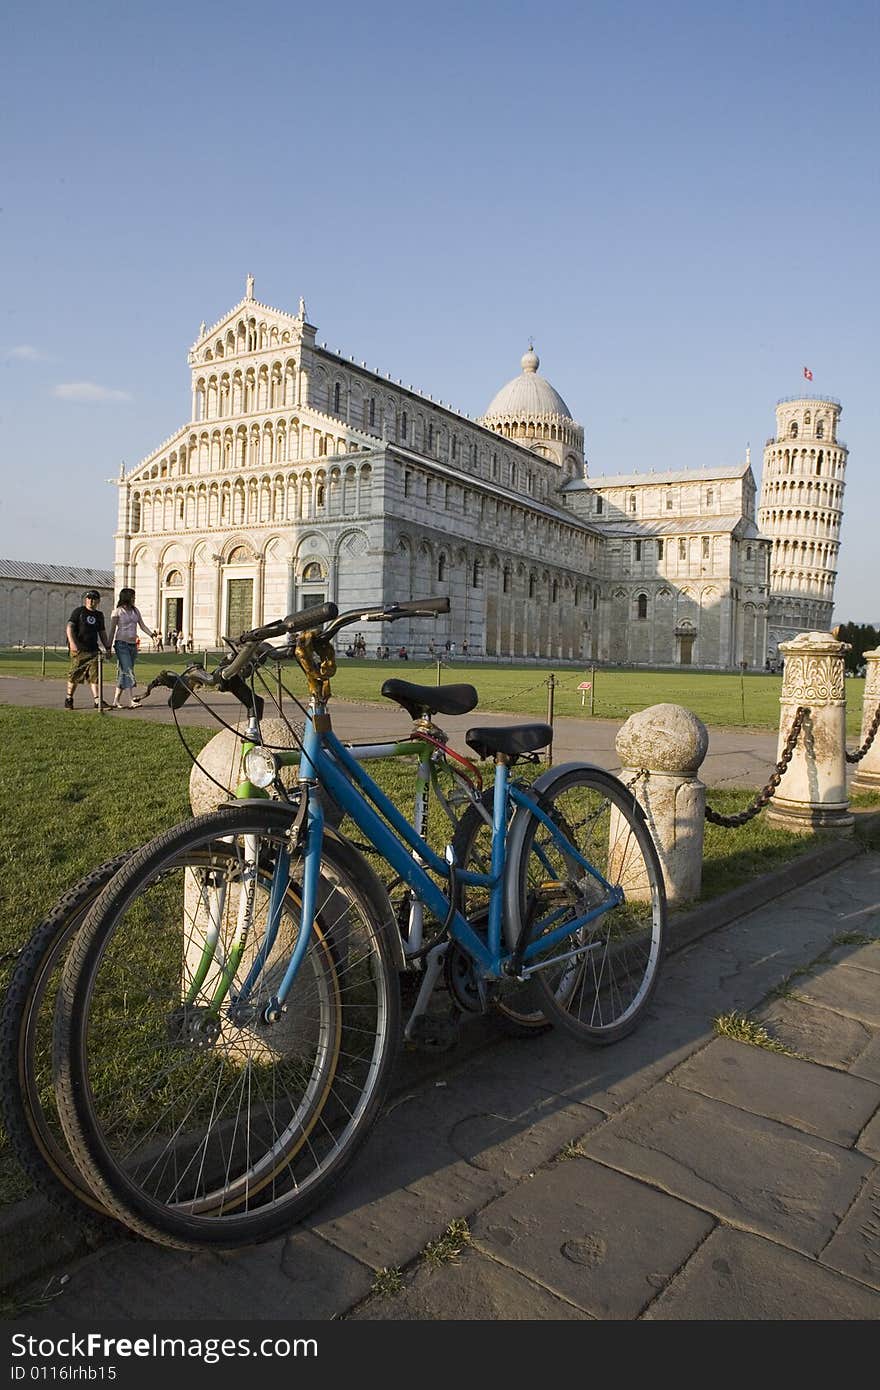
(419, 700)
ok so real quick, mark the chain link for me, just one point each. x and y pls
(766, 792)
(875, 725)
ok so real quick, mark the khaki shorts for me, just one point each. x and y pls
(83, 667)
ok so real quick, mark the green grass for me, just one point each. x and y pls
(387, 1282)
(447, 1248)
(720, 699)
(741, 1028)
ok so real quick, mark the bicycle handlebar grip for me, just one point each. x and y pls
(259, 634)
(309, 617)
(419, 607)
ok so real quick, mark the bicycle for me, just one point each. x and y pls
(254, 1039)
(26, 1100)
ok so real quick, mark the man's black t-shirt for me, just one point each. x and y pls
(87, 624)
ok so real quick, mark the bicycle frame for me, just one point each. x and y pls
(325, 761)
(428, 754)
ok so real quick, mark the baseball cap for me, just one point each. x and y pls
(91, 593)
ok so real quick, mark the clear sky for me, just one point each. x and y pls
(677, 202)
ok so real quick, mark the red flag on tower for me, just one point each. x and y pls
(808, 374)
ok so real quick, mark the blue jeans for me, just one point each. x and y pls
(125, 655)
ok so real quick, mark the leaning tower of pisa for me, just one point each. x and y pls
(801, 511)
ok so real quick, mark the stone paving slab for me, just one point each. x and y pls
(734, 1275)
(869, 1139)
(296, 1276)
(855, 1247)
(865, 957)
(832, 1105)
(473, 1289)
(605, 1078)
(592, 1236)
(747, 1170)
(718, 981)
(820, 1035)
(868, 1062)
(450, 1149)
(844, 988)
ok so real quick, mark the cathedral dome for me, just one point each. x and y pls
(527, 395)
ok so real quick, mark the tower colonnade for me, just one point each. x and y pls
(801, 510)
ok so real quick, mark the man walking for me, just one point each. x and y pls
(85, 632)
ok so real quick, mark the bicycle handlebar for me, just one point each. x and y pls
(316, 616)
(226, 677)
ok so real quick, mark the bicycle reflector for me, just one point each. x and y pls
(260, 767)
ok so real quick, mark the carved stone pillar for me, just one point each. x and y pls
(867, 773)
(812, 793)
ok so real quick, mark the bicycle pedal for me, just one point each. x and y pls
(434, 1033)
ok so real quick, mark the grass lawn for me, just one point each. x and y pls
(72, 800)
(720, 699)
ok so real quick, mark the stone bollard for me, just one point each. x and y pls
(867, 772)
(669, 743)
(221, 757)
(812, 793)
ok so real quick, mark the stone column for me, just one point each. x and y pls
(866, 777)
(669, 744)
(812, 793)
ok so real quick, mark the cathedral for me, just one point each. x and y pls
(302, 475)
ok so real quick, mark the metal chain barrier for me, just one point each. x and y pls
(760, 801)
(875, 725)
(512, 699)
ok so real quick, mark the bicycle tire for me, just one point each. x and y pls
(515, 1006)
(181, 1168)
(27, 1099)
(599, 995)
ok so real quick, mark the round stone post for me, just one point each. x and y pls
(220, 759)
(867, 772)
(812, 793)
(669, 744)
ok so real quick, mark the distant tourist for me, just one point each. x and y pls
(85, 634)
(124, 623)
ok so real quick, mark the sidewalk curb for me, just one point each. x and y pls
(687, 927)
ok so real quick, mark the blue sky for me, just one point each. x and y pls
(678, 203)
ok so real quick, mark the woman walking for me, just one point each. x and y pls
(124, 623)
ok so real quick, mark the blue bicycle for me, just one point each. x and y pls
(230, 1011)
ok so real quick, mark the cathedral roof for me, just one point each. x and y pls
(683, 526)
(684, 475)
(527, 395)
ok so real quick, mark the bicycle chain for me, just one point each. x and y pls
(764, 795)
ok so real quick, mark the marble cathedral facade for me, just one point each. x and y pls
(302, 475)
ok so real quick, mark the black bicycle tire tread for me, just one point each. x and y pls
(270, 1223)
(618, 790)
(77, 1203)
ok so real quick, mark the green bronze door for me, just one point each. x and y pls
(239, 606)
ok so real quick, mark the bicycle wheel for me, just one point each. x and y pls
(515, 1005)
(206, 1126)
(597, 981)
(27, 1098)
